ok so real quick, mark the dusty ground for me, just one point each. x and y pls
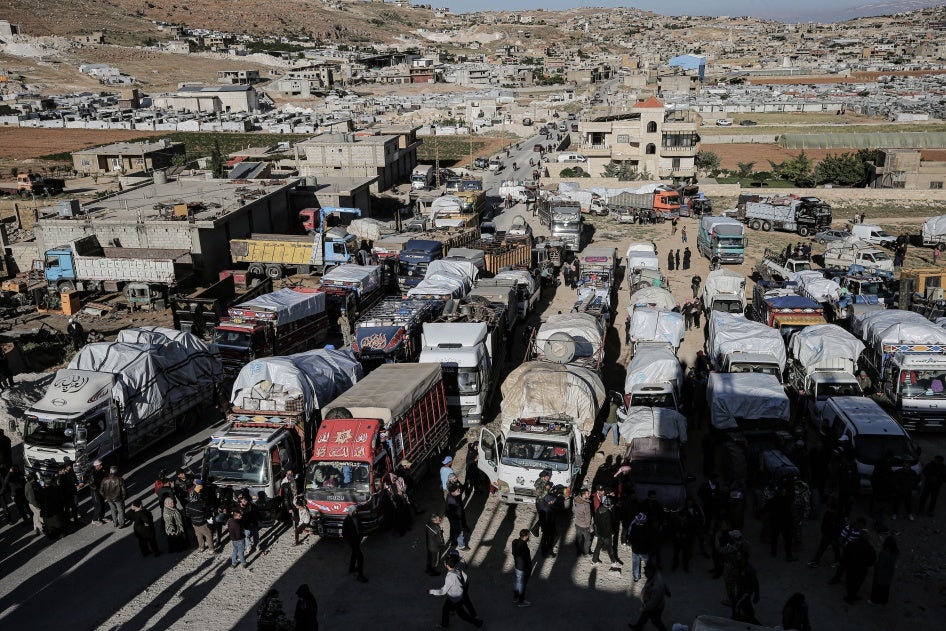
(25, 143)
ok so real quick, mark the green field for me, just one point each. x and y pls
(452, 148)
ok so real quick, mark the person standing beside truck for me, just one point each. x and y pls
(143, 529)
(113, 490)
(581, 517)
(522, 559)
(237, 539)
(352, 533)
(456, 515)
(446, 470)
(196, 512)
(174, 526)
(435, 544)
(95, 484)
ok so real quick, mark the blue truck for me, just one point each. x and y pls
(722, 238)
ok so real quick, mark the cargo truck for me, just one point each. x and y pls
(655, 327)
(822, 364)
(528, 288)
(283, 322)
(33, 184)
(424, 247)
(506, 253)
(565, 222)
(661, 204)
(655, 439)
(654, 378)
(735, 344)
(422, 177)
(397, 413)
(202, 311)
(778, 267)
(548, 410)
(570, 338)
(854, 251)
(722, 239)
(390, 332)
(350, 290)
(275, 409)
(804, 216)
(778, 305)
(725, 291)
(84, 265)
(117, 399)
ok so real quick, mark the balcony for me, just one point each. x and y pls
(595, 150)
(678, 126)
(679, 151)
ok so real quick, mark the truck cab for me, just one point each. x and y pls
(653, 395)
(747, 362)
(464, 351)
(513, 459)
(913, 383)
(413, 261)
(656, 466)
(822, 385)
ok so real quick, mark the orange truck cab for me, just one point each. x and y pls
(398, 412)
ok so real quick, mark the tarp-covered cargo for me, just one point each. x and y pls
(542, 389)
(204, 357)
(734, 398)
(306, 380)
(869, 323)
(656, 297)
(641, 247)
(155, 373)
(369, 229)
(364, 278)
(934, 229)
(585, 329)
(724, 281)
(641, 260)
(387, 392)
(816, 286)
(657, 325)
(728, 333)
(908, 333)
(644, 422)
(653, 364)
(823, 344)
(458, 268)
(521, 276)
(282, 306)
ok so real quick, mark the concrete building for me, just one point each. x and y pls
(238, 77)
(307, 81)
(222, 98)
(127, 157)
(652, 140)
(390, 156)
(9, 30)
(220, 210)
(905, 168)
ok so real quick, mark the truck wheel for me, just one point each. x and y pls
(274, 271)
(803, 231)
(941, 245)
(756, 224)
(65, 286)
(256, 269)
(766, 226)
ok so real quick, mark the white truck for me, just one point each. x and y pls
(724, 291)
(422, 177)
(117, 399)
(570, 338)
(445, 279)
(656, 327)
(776, 266)
(275, 410)
(654, 379)
(547, 412)
(823, 363)
(855, 251)
(470, 354)
(933, 232)
(655, 438)
(736, 344)
(642, 266)
(906, 361)
(653, 297)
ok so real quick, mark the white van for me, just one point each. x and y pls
(873, 234)
(571, 157)
(872, 432)
(422, 177)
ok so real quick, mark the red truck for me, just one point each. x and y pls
(283, 322)
(398, 412)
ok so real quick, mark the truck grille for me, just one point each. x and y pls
(524, 490)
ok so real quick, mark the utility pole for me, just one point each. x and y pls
(471, 146)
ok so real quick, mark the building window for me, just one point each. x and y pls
(651, 149)
(86, 163)
(936, 185)
(651, 127)
(679, 140)
(675, 164)
(623, 139)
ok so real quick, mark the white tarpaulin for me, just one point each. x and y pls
(723, 281)
(728, 333)
(872, 322)
(641, 247)
(653, 364)
(369, 229)
(365, 278)
(446, 205)
(152, 375)
(457, 268)
(316, 377)
(536, 389)
(387, 392)
(908, 333)
(644, 422)
(521, 276)
(750, 396)
(441, 285)
(641, 260)
(656, 297)
(817, 287)
(824, 344)
(584, 328)
(656, 325)
(285, 305)
(204, 358)
(934, 229)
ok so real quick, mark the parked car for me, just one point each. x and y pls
(480, 163)
(747, 123)
(723, 122)
(827, 236)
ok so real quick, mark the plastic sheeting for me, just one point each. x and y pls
(866, 325)
(641, 247)
(723, 281)
(824, 344)
(460, 269)
(537, 389)
(446, 205)
(319, 376)
(287, 305)
(365, 278)
(369, 229)
(728, 333)
(656, 325)
(204, 357)
(934, 229)
(521, 276)
(817, 287)
(656, 297)
(750, 396)
(653, 365)
(586, 329)
(908, 333)
(155, 373)
(441, 285)
(644, 422)
(641, 260)
(388, 392)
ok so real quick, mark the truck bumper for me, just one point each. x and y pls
(922, 421)
(515, 498)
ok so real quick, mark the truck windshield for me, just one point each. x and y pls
(866, 289)
(233, 338)
(655, 400)
(923, 383)
(871, 448)
(237, 466)
(337, 480)
(826, 390)
(727, 306)
(49, 432)
(762, 369)
(802, 267)
(468, 380)
(730, 242)
(877, 256)
(535, 454)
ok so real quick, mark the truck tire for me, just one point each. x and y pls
(256, 269)
(766, 226)
(755, 224)
(941, 245)
(803, 231)
(274, 271)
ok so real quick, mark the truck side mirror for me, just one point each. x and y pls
(82, 436)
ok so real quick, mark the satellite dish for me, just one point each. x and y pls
(560, 348)
(338, 413)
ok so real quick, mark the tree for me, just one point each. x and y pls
(216, 160)
(797, 170)
(14, 171)
(759, 178)
(624, 172)
(847, 169)
(745, 168)
(574, 172)
(707, 161)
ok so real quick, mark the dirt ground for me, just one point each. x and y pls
(25, 143)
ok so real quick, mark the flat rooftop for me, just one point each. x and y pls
(130, 148)
(217, 198)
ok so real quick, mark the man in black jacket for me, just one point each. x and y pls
(196, 513)
(351, 532)
(522, 557)
(456, 515)
(143, 528)
(604, 530)
(98, 502)
(435, 544)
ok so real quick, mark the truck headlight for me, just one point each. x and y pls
(502, 486)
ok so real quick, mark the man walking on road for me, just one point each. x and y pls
(456, 515)
(237, 539)
(34, 496)
(351, 532)
(604, 530)
(435, 544)
(522, 558)
(113, 490)
(695, 285)
(455, 587)
(653, 600)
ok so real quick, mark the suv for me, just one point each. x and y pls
(480, 163)
(723, 122)
(656, 466)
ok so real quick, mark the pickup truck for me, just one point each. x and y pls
(854, 251)
(776, 266)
